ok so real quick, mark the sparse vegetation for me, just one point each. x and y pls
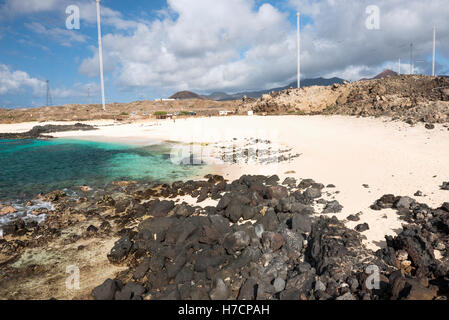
(160, 113)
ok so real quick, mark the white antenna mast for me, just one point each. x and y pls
(100, 55)
(298, 15)
(434, 50)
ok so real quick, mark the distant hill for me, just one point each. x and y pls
(185, 95)
(221, 96)
(383, 75)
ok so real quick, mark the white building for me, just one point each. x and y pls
(225, 113)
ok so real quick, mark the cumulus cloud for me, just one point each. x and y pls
(338, 41)
(236, 45)
(17, 81)
(224, 44)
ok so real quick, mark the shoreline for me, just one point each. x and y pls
(350, 152)
(364, 159)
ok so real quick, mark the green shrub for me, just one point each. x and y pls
(160, 113)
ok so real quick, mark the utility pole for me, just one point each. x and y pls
(298, 15)
(412, 69)
(434, 50)
(399, 66)
(100, 55)
(49, 99)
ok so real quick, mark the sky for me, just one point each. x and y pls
(154, 48)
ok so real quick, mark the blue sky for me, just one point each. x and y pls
(155, 48)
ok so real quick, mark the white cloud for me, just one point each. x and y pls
(234, 45)
(17, 81)
(339, 43)
(13, 7)
(224, 44)
(63, 36)
(88, 13)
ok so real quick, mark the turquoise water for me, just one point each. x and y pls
(29, 167)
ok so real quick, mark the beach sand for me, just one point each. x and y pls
(349, 152)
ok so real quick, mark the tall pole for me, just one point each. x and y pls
(299, 48)
(49, 98)
(434, 50)
(100, 55)
(412, 71)
(399, 66)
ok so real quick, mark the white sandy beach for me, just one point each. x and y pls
(390, 157)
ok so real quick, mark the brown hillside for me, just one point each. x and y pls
(186, 95)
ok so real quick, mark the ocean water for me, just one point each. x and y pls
(30, 167)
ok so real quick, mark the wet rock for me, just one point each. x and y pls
(120, 250)
(7, 210)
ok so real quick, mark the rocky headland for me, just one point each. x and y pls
(41, 132)
(409, 98)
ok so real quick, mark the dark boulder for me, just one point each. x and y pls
(236, 241)
(120, 250)
(106, 291)
(362, 227)
(333, 207)
(130, 291)
(301, 223)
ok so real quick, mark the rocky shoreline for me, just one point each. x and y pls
(41, 132)
(258, 239)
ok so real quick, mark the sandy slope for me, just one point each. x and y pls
(390, 157)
